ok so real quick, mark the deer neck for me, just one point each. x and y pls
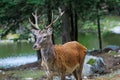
(47, 49)
(48, 56)
(48, 53)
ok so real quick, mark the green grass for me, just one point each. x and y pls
(24, 74)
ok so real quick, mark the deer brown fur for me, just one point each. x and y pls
(67, 58)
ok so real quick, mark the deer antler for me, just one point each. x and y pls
(52, 22)
(34, 25)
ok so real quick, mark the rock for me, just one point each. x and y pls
(98, 66)
(110, 47)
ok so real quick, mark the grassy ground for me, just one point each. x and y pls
(36, 74)
(22, 74)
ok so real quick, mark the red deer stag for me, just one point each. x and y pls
(58, 60)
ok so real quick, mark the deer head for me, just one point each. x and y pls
(43, 37)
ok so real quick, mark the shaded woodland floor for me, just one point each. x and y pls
(33, 71)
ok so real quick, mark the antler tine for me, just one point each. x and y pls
(60, 11)
(60, 14)
(52, 22)
(35, 25)
(31, 22)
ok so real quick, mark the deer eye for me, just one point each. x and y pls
(44, 36)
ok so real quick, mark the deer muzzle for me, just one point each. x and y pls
(36, 47)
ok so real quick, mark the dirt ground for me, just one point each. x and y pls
(37, 73)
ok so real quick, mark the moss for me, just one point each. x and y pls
(112, 52)
(91, 61)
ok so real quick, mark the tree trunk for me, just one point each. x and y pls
(99, 30)
(66, 27)
(74, 28)
(72, 24)
(70, 31)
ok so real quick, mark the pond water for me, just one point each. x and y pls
(15, 49)
(15, 54)
(90, 40)
(17, 61)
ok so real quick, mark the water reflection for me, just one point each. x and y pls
(15, 49)
(17, 61)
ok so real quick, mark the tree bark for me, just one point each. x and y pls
(70, 28)
(99, 30)
(66, 27)
(72, 24)
(74, 27)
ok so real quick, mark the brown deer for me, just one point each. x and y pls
(58, 60)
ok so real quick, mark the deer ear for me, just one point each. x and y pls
(49, 31)
(34, 31)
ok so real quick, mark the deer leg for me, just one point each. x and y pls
(76, 74)
(62, 77)
(79, 71)
(50, 77)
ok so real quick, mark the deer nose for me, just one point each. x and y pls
(35, 46)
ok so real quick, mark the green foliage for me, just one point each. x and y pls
(1, 31)
(109, 22)
(36, 2)
(18, 11)
(24, 36)
(90, 24)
